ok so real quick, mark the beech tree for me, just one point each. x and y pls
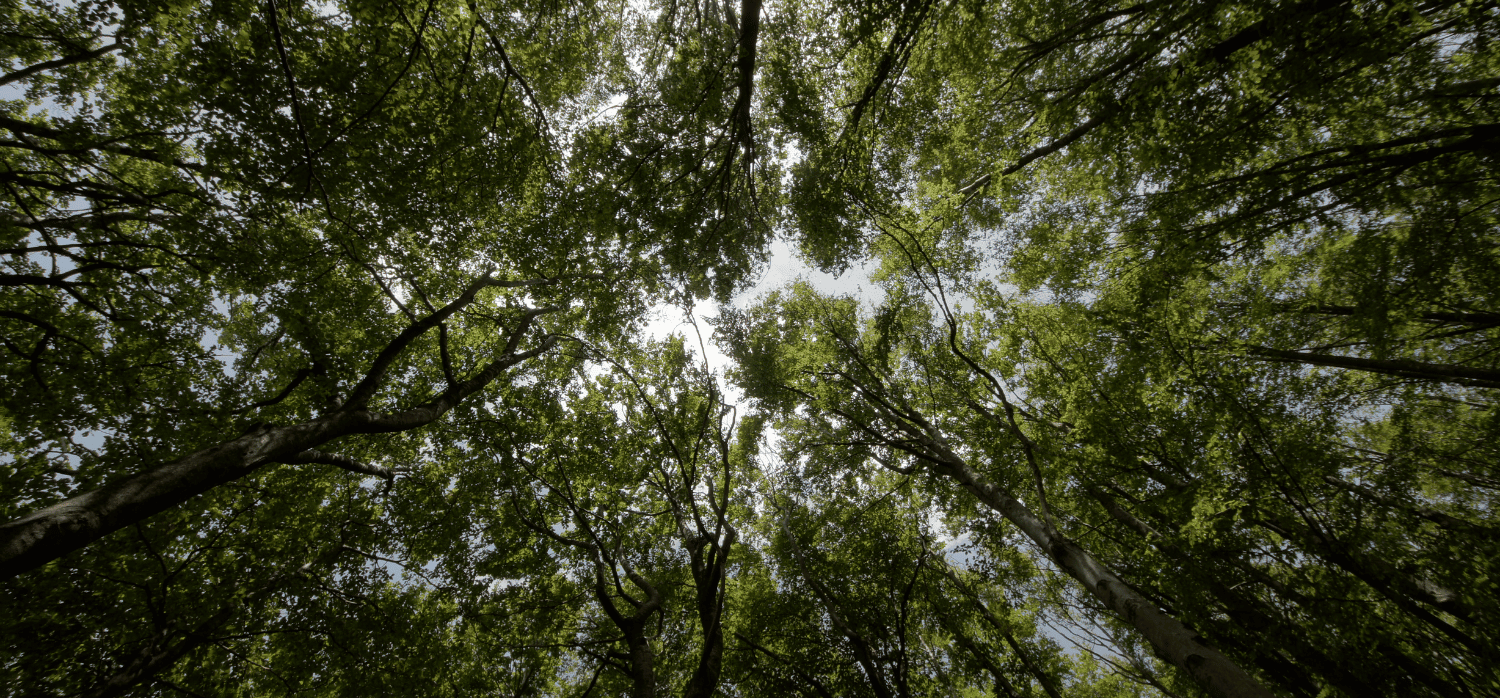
(326, 366)
(1165, 223)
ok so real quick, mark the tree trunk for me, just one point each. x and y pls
(1047, 682)
(708, 580)
(642, 666)
(857, 642)
(1451, 318)
(1377, 572)
(50, 533)
(1405, 368)
(1172, 640)
(1452, 523)
(1401, 589)
(978, 653)
(1249, 613)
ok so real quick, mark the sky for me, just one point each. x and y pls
(785, 267)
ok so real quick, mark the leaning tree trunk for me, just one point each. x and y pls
(1250, 612)
(1049, 684)
(857, 642)
(1174, 641)
(47, 534)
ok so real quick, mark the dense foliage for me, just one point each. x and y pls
(325, 366)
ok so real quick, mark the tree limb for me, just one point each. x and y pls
(60, 62)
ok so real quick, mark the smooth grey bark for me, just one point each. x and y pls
(27, 132)
(1176, 643)
(708, 546)
(749, 35)
(708, 550)
(1250, 612)
(1172, 640)
(632, 626)
(54, 531)
(1475, 480)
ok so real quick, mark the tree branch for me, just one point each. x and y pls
(29, 71)
(345, 462)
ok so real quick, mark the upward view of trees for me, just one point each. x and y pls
(326, 367)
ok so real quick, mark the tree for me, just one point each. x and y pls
(1163, 217)
(875, 408)
(656, 472)
(349, 200)
(325, 372)
(138, 278)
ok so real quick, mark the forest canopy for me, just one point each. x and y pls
(327, 365)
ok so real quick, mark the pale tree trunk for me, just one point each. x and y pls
(1174, 641)
(1250, 612)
